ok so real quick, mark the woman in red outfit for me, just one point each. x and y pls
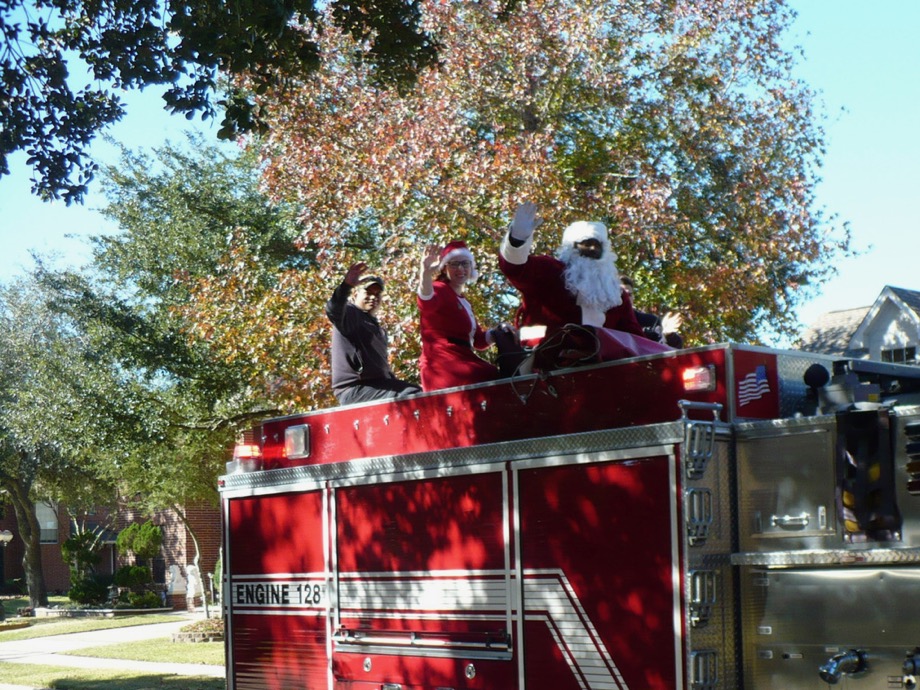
(449, 329)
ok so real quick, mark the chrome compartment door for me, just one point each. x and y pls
(786, 479)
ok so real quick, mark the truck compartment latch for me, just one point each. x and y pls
(799, 521)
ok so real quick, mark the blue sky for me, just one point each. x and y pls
(862, 57)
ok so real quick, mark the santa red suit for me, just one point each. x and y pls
(545, 298)
(575, 289)
(450, 333)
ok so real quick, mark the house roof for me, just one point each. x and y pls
(833, 333)
(911, 298)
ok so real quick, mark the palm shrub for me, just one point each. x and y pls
(144, 541)
(81, 552)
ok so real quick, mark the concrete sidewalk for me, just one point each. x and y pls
(53, 651)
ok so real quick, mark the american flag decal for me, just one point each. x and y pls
(753, 386)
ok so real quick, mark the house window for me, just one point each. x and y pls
(902, 355)
(47, 523)
(158, 569)
(157, 566)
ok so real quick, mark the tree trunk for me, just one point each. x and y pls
(197, 559)
(30, 533)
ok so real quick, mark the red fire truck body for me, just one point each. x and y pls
(696, 519)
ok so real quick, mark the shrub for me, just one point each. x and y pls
(143, 539)
(133, 576)
(82, 552)
(144, 600)
(90, 590)
(13, 587)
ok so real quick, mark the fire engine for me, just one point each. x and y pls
(721, 517)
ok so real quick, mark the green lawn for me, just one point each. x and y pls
(153, 650)
(61, 678)
(64, 678)
(12, 604)
(43, 627)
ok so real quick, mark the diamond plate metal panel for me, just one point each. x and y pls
(790, 369)
(715, 638)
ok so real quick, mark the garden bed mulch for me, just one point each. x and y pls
(206, 630)
(197, 637)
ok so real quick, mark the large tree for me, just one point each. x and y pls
(180, 212)
(679, 124)
(63, 62)
(109, 391)
(59, 404)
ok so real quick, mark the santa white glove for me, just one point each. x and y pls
(525, 221)
(671, 322)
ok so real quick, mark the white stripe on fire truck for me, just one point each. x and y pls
(482, 595)
(423, 594)
(273, 592)
(575, 634)
(548, 595)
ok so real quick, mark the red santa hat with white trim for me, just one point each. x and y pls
(458, 251)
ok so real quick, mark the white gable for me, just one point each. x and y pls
(890, 324)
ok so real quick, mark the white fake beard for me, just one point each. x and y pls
(594, 282)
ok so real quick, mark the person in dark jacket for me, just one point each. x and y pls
(360, 366)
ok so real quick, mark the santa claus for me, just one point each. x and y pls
(580, 286)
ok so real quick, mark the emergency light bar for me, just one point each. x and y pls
(699, 379)
(247, 457)
(246, 451)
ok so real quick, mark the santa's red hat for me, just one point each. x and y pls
(458, 251)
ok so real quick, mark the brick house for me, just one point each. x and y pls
(55, 528)
(178, 545)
